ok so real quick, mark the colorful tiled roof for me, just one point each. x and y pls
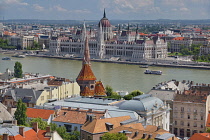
(87, 92)
(200, 136)
(86, 73)
(39, 113)
(99, 125)
(178, 38)
(76, 116)
(99, 89)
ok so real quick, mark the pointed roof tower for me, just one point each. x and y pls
(104, 13)
(86, 72)
(86, 59)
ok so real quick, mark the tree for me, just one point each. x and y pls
(208, 130)
(114, 136)
(63, 133)
(20, 113)
(133, 94)
(128, 97)
(136, 93)
(41, 124)
(36, 45)
(109, 90)
(18, 70)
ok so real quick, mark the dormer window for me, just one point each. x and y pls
(109, 126)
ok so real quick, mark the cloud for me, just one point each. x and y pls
(60, 9)
(17, 2)
(38, 7)
(184, 9)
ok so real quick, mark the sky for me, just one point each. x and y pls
(115, 9)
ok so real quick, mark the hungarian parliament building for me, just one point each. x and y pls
(103, 44)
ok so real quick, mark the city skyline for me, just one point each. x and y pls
(93, 10)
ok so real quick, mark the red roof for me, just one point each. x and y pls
(39, 113)
(200, 136)
(178, 38)
(31, 135)
(86, 73)
(99, 89)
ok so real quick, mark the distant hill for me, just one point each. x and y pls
(114, 21)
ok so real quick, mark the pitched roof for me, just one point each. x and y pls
(200, 136)
(99, 125)
(86, 73)
(76, 116)
(99, 89)
(136, 131)
(29, 133)
(27, 95)
(39, 113)
(87, 92)
(178, 38)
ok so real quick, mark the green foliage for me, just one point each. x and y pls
(41, 124)
(20, 113)
(63, 133)
(111, 94)
(18, 70)
(128, 97)
(4, 44)
(208, 130)
(133, 94)
(114, 136)
(109, 90)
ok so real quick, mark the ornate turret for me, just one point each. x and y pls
(86, 79)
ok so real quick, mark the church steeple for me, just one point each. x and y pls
(86, 59)
(104, 13)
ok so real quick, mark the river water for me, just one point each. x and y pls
(119, 76)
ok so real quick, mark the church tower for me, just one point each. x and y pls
(86, 78)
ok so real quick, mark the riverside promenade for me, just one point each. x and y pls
(174, 63)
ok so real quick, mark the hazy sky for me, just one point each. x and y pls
(93, 9)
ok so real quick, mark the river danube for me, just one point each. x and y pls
(119, 76)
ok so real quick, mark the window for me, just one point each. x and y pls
(182, 115)
(195, 117)
(195, 111)
(42, 98)
(175, 122)
(75, 128)
(188, 116)
(182, 109)
(182, 123)
(68, 127)
(195, 125)
(201, 117)
(188, 109)
(188, 124)
(201, 126)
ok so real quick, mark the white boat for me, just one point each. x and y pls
(19, 56)
(157, 72)
(143, 66)
(6, 58)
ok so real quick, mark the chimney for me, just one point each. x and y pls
(48, 129)
(21, 131)
(35, 126)
(69, 108)
(5, 136)
(90, 110)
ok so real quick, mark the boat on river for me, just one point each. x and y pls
(6, 58)
(157, 72)
(19, 56)
(143, 66)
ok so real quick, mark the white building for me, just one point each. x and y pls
(126, 45)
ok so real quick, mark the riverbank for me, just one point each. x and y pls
(157, 63)
(194, 66)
